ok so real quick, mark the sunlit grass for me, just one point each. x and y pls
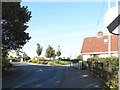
(50, 62)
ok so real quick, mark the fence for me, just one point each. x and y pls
(77, 64)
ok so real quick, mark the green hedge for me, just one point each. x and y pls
(109, 71)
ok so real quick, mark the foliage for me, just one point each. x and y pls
(49, 62)
(65, 59)
(64, 62)
(34, 61)
(14, 23)
(6, 64)
(50, 52)
(27, 57)
(75, 60)
(80, 57)
(58, 53)
(109, 71)
(39, 50)
(84, 65)
(13, 58)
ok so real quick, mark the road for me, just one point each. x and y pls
(36, 76)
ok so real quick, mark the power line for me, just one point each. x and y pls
(100, 16)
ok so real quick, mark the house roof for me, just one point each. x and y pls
(99, 44)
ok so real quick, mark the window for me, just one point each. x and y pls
(95, 55)
(106, 40)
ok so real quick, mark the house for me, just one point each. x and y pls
(97, 46)
(17, 53)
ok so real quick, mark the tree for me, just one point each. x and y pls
(26, 57)
(14, 23)
(39, 50)
(58, 53)
(50, 52)
(80, 57)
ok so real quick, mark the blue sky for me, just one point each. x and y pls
(65, 24)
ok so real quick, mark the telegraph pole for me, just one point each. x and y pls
(109, 36)
(116, 1)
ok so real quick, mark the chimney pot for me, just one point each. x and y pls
(100, 33)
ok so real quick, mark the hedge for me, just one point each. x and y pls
(106, 69)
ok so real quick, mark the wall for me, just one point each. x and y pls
(85, 57)
(104, 55)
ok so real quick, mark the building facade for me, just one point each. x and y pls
(97, 46)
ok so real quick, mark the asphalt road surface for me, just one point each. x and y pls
(39, 76)
(36, 76)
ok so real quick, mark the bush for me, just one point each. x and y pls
(50, 63)
(75, 60)
(84, 65)
(34, 61)
(65, 59)
(109, 72)
(64, 62)
(6, 64)
(9, 65)
(29, 61)
(44, 62)
(39, 62)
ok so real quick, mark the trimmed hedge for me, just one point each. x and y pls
(106, 69)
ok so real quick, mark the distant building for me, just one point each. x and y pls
(97, 46)
(17, 53)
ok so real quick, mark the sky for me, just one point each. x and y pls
(63, 24)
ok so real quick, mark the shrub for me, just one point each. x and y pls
(66, 59)
(29, 61)
(75, 60)
(34, 61)
(50, 63)
(9, 65)
(84, 65)
(109, 73)
(39, 62)
(64, 62)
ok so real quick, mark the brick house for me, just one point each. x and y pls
(97, 46)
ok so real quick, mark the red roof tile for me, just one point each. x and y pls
(97, 44)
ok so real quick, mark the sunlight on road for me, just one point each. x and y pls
(84, 76)
(39, 70)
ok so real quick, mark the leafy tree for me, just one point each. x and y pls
(14, 23)
(26, 57)
(50, 52)
(80, 57)
(39, 50)
(58, 53)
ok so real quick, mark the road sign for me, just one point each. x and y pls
(112, 19)
(112, 26)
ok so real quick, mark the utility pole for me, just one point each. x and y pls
(111, 27)
(109, 36)
(119, 55)
(116, 1)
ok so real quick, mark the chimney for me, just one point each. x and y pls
(100, 34)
